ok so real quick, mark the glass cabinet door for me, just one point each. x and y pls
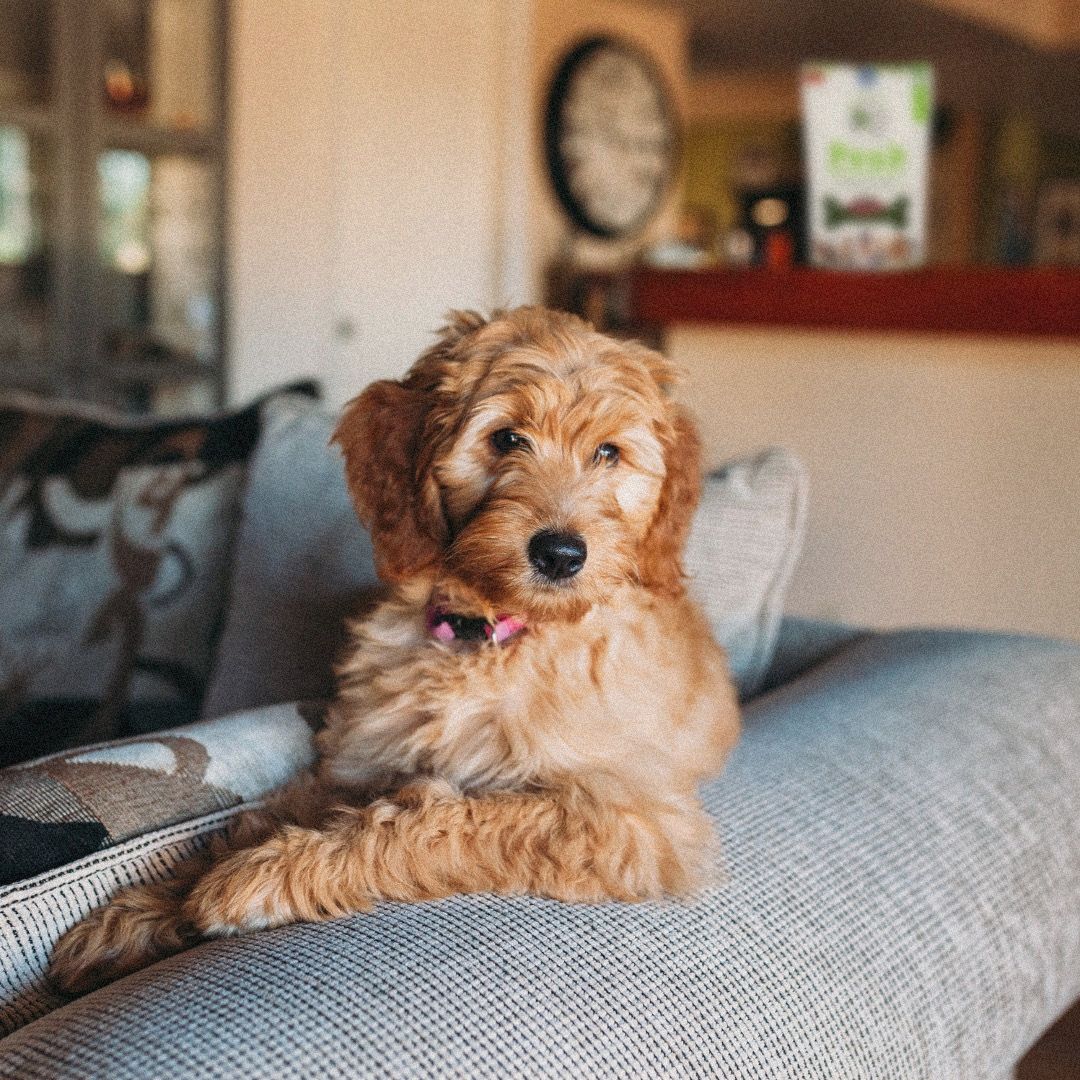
(26, 196)
(159, 63)
(158, 255)
(24, 256)
(111, 192)
(159, 213)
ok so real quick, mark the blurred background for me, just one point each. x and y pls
(200, 199)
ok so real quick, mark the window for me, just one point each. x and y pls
(111, 200)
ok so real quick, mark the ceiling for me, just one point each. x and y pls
(976, 65)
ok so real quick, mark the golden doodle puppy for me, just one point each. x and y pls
(533, 708)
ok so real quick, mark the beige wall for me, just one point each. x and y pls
(419, 182)
(282, 198)
(945, 472)
(376, 181)
(558, 25)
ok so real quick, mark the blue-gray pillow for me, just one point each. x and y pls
(742, 549)
(303, 564)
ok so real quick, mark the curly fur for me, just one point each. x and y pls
(564, 762)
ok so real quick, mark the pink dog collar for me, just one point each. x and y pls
(446, 625)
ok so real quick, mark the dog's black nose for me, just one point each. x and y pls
(557, 555)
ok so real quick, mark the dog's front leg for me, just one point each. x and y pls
(431, 841)
(144, 923)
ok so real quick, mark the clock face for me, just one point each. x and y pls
(611, 139)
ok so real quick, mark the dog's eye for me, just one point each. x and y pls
(506, 439)
(606, 454)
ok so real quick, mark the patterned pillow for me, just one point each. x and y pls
(35, 912)
(77, 827)
(115, 541)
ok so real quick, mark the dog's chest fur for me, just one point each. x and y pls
(611, 696)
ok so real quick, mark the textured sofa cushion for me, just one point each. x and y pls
(742, 549)
(115, 539)
(304, 563)
(35, 913)
(897, 899)
(71, 804)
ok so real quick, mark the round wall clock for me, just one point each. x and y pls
(611, 137)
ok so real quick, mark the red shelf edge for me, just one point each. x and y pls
(1028, 302)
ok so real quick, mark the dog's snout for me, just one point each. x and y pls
(557, 555)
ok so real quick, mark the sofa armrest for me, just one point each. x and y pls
(898, 898)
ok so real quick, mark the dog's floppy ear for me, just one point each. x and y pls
(382, 436)
(379, 434)
(665, 373)
(660, 553)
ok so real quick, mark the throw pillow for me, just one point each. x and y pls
(115, 540)
(77, 827)
(742, 549)
(63, 807)
(303, 564)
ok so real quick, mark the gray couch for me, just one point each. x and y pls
(898, 896)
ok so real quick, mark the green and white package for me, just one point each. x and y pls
(866, 137)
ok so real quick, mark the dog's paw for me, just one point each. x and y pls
(246, 892)
(217, 907)
(112, 941)
(82, 960)
(299, 875)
